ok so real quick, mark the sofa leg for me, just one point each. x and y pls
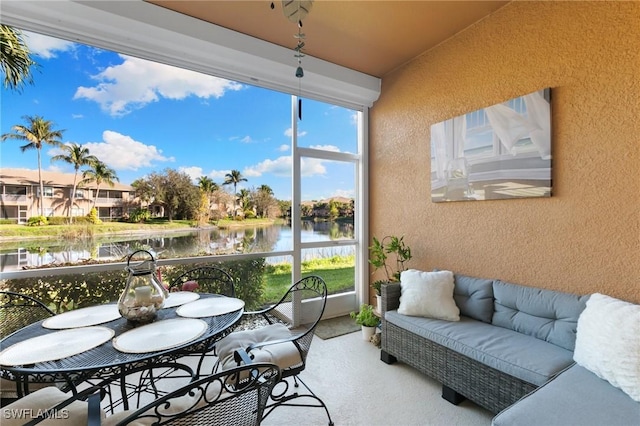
(387, 358)
(452, 396)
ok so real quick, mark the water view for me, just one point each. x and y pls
(25, 254)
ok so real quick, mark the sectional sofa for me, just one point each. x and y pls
(512, 348)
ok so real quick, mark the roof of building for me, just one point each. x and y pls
(49, 178)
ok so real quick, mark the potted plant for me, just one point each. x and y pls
(367, 319)
(389, 254)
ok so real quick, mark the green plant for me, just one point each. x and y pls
(365, 317)
(37, 221)
(389, 248)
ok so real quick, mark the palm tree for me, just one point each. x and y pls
(15, 59)
(234, 177)
(207, 185)
(99, 173)
(37, 132)
(245, 199)
(78, 156)
(266, 189)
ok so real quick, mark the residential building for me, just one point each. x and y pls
(19, 189)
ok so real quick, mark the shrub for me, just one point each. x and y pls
(249, 214)
(93, 217)
(37, 221)
(140, 215)
(8, 221)
(58, 220)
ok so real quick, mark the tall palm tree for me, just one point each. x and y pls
(99, 173)
(77, 156)
(37, 133)
(15, 58)
(234, 177)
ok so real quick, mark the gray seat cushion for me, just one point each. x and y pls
(527, 358)
(574, 397)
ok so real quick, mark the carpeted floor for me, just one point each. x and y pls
(333, 327)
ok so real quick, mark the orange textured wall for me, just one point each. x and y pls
(586, 237)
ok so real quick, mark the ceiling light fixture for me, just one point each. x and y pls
(296, 11)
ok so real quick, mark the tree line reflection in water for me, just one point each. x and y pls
(174, 244)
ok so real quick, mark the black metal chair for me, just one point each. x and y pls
(205, 279)
(19, 310)
(285, 340)
(233, 397)
(16, 311)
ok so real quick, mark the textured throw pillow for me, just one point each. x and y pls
(608, 342)
(428, 294)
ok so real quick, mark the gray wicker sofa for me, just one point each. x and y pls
(510, 340)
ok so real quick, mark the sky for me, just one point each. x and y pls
(140, 117)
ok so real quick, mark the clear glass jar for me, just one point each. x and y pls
(143, 294)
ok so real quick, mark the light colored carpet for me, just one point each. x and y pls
(359, 389)
(334, 327)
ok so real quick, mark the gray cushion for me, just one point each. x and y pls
(546, 314)
(532, 360)
(474, 297)
(574, 397)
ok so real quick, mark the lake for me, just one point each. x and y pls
(178, 244)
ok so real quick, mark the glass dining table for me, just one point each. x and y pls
(97, 343)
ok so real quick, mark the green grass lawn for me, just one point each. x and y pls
(338, 272)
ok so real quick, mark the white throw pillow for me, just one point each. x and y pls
(608, 342)
(428, 294)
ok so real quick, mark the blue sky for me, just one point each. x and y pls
(139, 117)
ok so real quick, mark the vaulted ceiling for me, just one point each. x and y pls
(373, 37)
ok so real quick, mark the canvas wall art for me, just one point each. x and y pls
(499, 152)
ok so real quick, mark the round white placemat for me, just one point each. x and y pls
(83, 317)
(55, 345)
(178, 298)
(210, 307)
(160, 335)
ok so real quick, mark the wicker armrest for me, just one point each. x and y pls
(390, 294)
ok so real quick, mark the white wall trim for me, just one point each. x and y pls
(147, 31)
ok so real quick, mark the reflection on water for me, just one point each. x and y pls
(177, 244)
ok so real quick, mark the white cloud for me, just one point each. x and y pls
(281, 166)
(136, 82)
(331, 148)
(312, 166)
(246, 139)
(346, 193)
(193, 172)
(218, 175)
(124, 153)
(46, 47)
(284, 148)
(77, 116)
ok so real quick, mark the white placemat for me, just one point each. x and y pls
(160, 335)
(83, 317)
(210, 307)
(178, 298)
(55, 345)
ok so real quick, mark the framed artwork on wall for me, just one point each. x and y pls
(499, 152)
